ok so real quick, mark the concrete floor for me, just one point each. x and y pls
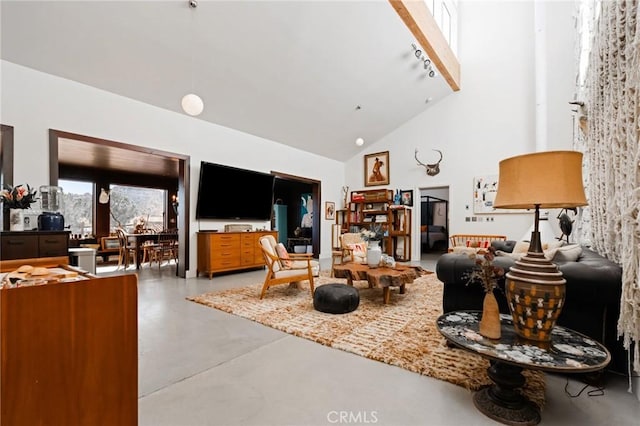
(201, 366)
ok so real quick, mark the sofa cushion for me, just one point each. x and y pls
(521, 247)
(515, 256)
(504, 245)
(569, 253)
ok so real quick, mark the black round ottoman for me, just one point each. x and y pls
(335, 298)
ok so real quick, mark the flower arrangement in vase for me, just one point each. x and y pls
(18, 197)
(488, 274)
(373, 236)
(15, 200)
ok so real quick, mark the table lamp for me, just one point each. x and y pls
(534, 286)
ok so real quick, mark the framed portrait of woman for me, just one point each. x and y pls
(376, 169)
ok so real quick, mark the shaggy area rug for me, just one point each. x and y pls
(401, 333)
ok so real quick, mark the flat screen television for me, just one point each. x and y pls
(226, 192)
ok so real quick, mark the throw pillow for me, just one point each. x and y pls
(521, 247)
(283, 254)
(514, 256)
(552, 245)
(569, 253)
(474, 244)
(359, 251)
(464, 250)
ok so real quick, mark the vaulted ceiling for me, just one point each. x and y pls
(314, 75)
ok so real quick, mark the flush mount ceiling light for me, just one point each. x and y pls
(191, 103)
(359, 141)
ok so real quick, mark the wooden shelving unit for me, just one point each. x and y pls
(376, 206)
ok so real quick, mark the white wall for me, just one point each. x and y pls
(491, 118)
(34, 102)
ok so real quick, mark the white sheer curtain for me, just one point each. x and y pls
(608, 132)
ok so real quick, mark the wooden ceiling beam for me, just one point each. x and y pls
(418, 18)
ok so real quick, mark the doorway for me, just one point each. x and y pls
(434, 220)
(297, 212)
(104, 162)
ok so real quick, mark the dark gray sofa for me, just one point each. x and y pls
(592, 305)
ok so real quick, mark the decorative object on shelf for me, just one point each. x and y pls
(345, 195)
(397, 198)
(329, 210)
(535, 287)
(406, 197)
(431, 169)
(487, 274)
(376, 169)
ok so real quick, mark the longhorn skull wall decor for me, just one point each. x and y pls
(432, 169)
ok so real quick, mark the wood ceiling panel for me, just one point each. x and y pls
(107, 157)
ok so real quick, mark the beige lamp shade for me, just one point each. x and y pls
(551, 179)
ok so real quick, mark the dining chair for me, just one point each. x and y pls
(127, 251)
(166, 248)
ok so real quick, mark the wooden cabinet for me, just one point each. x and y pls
(32, 244)
(229, 251)
(70, 353)
(376, 206)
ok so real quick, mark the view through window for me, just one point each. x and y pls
(135, 207)
(77, 206)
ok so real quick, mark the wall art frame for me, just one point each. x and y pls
(406, 197)
(330, 210)
(376, 169)
(485, 189)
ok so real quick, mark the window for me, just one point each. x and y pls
(77, 207)
(133, 207)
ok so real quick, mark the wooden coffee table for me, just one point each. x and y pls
(378, 277)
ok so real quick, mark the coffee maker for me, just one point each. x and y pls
(51, 205)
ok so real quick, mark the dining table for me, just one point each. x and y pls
(139, 239)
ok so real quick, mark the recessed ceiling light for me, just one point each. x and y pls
(429, 99)
(359, 141)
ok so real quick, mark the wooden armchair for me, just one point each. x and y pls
(283, 268)
(353, 247)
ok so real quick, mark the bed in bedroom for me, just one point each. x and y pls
(432, 234)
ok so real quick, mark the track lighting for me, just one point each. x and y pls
(425, 60)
